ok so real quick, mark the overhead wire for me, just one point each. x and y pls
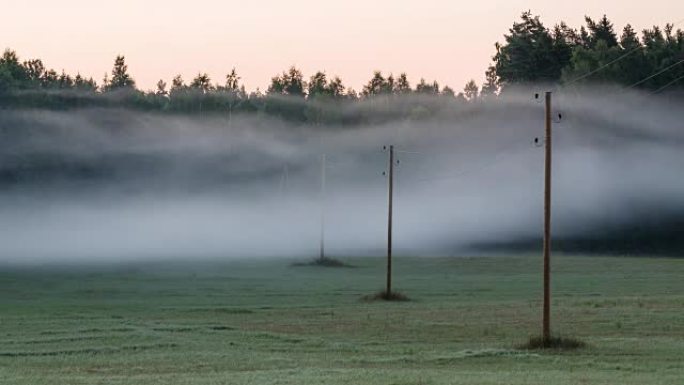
(500, 156)
(668, 84)
(619, 58)
(656, 74)
(631, 51)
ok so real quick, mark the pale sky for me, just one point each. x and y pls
(443, 40)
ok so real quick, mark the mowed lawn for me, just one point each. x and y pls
(265, 322)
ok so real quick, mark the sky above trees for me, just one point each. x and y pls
(448, 41)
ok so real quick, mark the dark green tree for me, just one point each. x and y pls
(471, 91)
(13, 75)
(491, 86)
(402, 85)
(448, 91)
(120, 78)
(34, 70)
(83, 84)
(290, 83)
(336, 88)
(201, 83)
(601, 31)
(427, 88)
(233, 81)
(318, 85)
(530, 53)
(161, 88)
(378, 85)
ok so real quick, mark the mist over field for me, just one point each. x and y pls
(114, 184)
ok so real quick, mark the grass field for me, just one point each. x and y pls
(265, 322)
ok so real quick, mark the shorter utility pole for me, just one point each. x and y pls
(323, 167)
(284, 178)
(546, 319)
(389, 221)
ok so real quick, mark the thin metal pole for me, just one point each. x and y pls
(323, 167)
(388, 290)
(546, 322)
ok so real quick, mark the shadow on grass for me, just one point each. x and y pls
(384, 296)
(554, 343)
(323, 262)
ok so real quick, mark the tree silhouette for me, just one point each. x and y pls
(529, 52)
(402, 85)
(427, 88)
(318, 85)
(601, 31)
(378, 85)
(471, 91)
(120, 78)
(491, 85)
(161, 87)
(201, 83)
(12, 74)
(291, 83)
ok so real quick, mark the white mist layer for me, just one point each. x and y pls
(195, 188)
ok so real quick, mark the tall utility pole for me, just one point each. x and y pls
(546, 321)
(388, 290)
(323, 167)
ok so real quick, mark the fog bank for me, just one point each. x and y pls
(100, 185)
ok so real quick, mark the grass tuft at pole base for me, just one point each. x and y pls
(323, 262)
(555, 343)
(384, 296)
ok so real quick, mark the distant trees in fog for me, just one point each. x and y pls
(530, 53)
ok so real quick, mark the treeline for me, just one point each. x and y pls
(530, 53)
(290, 96)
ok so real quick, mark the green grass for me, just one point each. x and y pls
(265, 322)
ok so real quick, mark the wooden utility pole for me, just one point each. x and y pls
(323, 167)
(546, 322)
(388, 290)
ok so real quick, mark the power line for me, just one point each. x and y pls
(631, 51)
(668, 84)
(409, 152)
(656, 74)
(500, 156)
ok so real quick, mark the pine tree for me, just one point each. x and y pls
(601, 31)
(120, 78)
(491, 85)
(201, 83)
(471, 91)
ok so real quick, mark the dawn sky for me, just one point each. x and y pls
(442, 40)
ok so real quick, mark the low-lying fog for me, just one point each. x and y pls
(99, 185)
